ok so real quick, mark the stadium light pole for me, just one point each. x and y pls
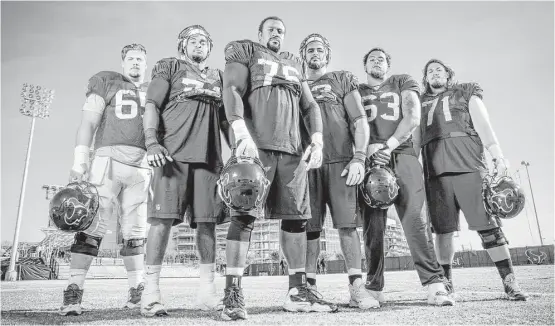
(35, 103)
(526, 165)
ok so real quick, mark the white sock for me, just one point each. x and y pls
(207, 273)
(152, 279)
(77, 276)
(354, 271)
(235, 271)
(134, 278)
(311, 275)
(293, 271)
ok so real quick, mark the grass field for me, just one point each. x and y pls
(480, 301)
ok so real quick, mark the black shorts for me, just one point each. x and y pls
(448, 194)
(287, 197)
(327, 186)
(185, 190)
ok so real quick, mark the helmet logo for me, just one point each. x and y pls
(74, 211)
(500, 200)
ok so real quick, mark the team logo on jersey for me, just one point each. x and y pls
(194, 88)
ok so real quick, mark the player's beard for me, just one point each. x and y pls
(315, 65)
(272, 47)
(378, 74)
(197, 58)
(437, 83)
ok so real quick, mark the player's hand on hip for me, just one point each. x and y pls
(246, 148)
(157, 155)
(79, 173)
(355, 169)
(314, 152)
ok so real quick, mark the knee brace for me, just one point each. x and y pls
(293, 226)
(85, 244)
(493, 238)
(133, 247)
(314, 235)
(240, 228)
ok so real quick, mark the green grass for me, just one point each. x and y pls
(480, 301)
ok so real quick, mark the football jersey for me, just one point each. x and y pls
(449, 141)
(122, 120)
(383, 108)
(329, 91)
(189, 116)
(271, 109)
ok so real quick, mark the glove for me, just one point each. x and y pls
(314, 152)
(502, 165)
(355, 168)
(80, 169)
(156, 154)
(245, 146)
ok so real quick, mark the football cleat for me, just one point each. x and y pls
(361, 297)
(297, 300)
(72, 301)
(512, 289)
(318, 304)
(151, 305)
(438, 296)
(207, 298)
(234, 304)
(134, 297)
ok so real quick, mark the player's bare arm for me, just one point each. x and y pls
(310, 110)
(358, 119)
(410, 106)
(90, 119)
(417, 141)
(156, 153)
(482, 124)
(236, 77)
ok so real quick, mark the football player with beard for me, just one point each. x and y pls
(393, 109)
(265, 95)
(113, 110)
(182, 129)
(454, 131)
(335, 182)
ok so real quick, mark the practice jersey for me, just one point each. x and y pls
(329, 92)
(189, 116)
(449, 141)
(271, 109)
(122, 120)
(383, 108)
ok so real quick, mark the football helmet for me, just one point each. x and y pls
(315, 37)
(74, 207)
(190, 31)
(243, 184)
(503, 197)
(379, 188)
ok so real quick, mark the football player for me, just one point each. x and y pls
(454, 131)
(182, 130)
(335, 182)
(265, 95)
(393, 109)
(113, 110)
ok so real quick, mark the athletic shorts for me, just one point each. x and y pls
(448, 194)
(327, 186)
(185, 190)
(287, 197)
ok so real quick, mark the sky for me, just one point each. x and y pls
(507, 47)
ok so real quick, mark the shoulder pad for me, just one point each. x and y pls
(239, 51)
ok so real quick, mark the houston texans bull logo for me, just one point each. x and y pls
(75, 211)
(504, 200)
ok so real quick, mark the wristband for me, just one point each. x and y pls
(392, 143)
(240, 130)
(80, 156)
(318, 139)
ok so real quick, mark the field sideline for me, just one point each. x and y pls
(479, 290)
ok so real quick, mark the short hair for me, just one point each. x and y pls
(131, 47)
(450, 73)
(270, 18)
(387, 56)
